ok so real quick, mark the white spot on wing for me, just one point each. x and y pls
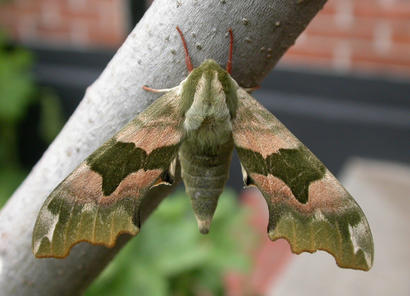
(178, 88)
(47, 218)
(54, 220)
(88, 207)
(244, 174)
(319, 216)
(356, 233)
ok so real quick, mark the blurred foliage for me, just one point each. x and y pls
(170, 257)
(17, 93)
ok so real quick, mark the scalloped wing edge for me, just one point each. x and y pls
(356, 252)
(51, 239)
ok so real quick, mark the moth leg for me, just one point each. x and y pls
(168, 176)
(154, 90)
(251, 89)
(136, 219)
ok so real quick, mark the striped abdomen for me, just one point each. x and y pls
(205, 171)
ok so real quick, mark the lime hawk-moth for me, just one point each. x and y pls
(190, 133)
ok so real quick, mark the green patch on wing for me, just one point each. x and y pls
(296, 167)
(116, 160)
(345, 234)
(62, 223)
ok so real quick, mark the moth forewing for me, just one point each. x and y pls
(102, 198)
(307, 205)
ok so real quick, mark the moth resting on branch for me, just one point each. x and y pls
(190, 132)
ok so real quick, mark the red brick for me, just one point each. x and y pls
(328, 8)
(303, 61)
(401, 32)
(62, 29)
(313, 46)
(105, 25)
(8, 15)
(101, 38)
(90, 13)
(29, 7)
(7, 18)
(326, 26)
(373, 9)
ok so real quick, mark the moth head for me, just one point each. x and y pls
(204, 74)
(206, 80)
(209, 69)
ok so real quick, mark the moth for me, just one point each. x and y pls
(189, 133)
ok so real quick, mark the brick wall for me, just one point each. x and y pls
(357, 35)
(76, 23)
(347, 35)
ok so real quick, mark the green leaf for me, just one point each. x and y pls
(10, 179)
(51, 115)
(16, 84)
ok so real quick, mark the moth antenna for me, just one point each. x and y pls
(187, 57)
(229, 63)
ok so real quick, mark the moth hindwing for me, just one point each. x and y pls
(195, 127)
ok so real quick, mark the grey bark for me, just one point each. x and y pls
(153, 55)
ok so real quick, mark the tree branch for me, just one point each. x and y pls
(153, 55)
